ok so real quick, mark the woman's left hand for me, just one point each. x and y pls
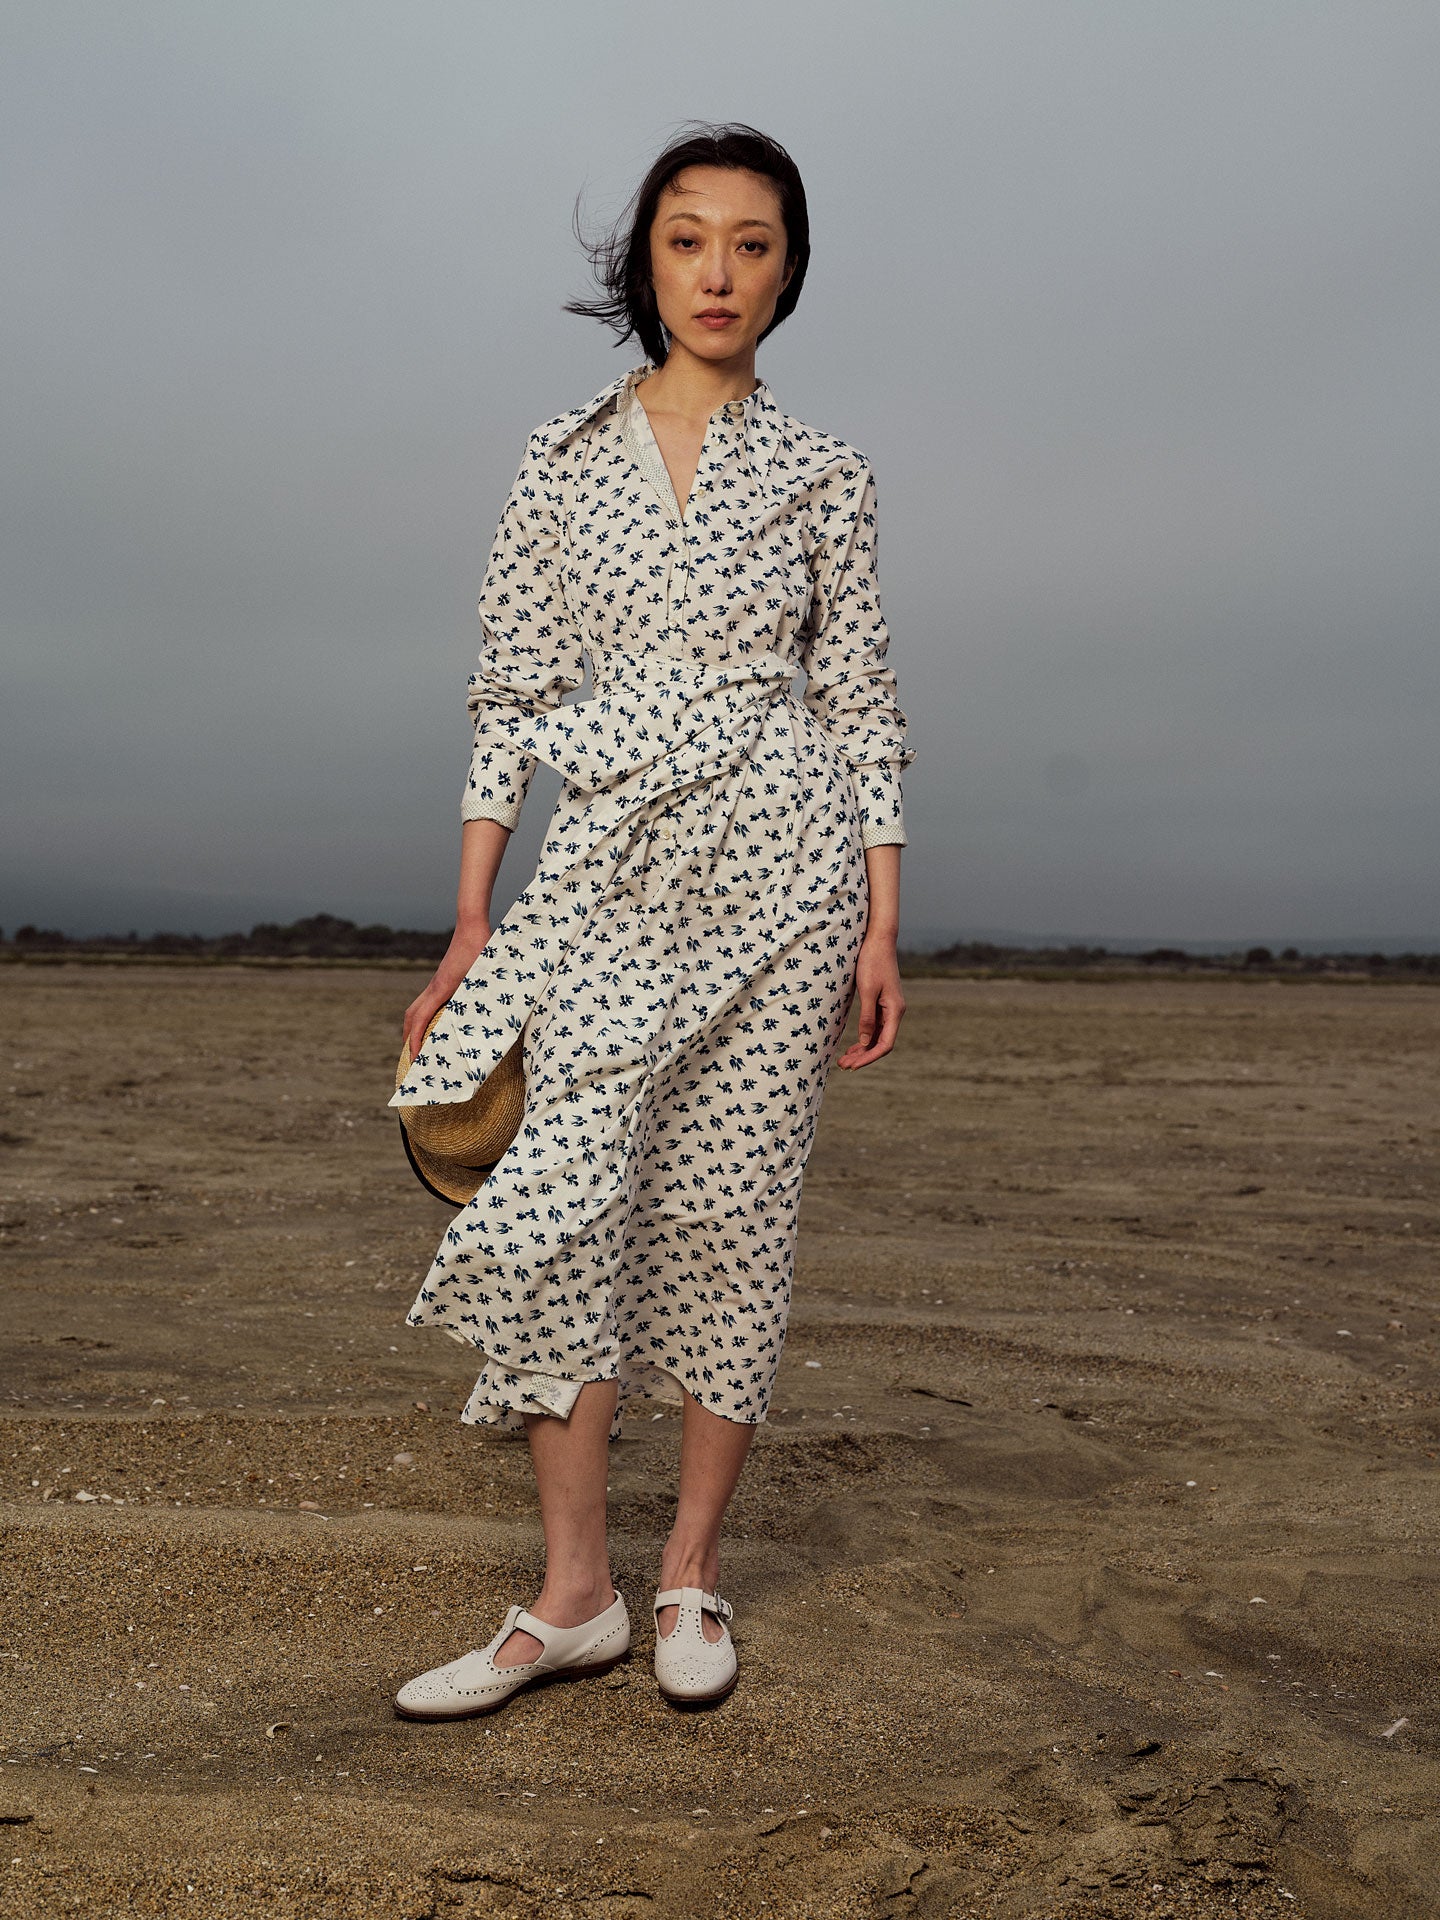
(882, 1004)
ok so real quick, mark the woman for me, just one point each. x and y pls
(720, 879)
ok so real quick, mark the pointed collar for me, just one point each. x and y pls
(761, 419)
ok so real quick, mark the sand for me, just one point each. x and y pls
(1085, 1568)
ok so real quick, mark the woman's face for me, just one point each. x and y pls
(717, 260)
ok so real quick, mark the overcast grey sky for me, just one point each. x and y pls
(1133, 304)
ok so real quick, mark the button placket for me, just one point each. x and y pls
(665, 857)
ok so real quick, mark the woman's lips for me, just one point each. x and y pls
(717, 320)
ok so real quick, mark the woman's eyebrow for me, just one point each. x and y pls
(686, 214)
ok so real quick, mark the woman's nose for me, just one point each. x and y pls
(717, 273)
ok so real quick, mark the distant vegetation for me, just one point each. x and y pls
(321, 937)
(978, 956)
(325, 937)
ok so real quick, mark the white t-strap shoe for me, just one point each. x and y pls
(474, 1684)
(692, 1670)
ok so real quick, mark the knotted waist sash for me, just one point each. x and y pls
(654, 727)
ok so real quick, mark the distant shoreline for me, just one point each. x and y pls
(324, 940)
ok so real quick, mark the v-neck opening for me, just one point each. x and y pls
(645, 450)
(651, 460)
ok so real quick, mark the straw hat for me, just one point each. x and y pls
(453, 1147)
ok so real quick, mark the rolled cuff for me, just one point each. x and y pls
(473, 807)
(882, 814)
(496, 785)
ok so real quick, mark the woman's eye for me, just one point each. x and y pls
(687, 242)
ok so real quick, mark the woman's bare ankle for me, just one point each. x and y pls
(688, 1567)
(569, 1601)
(682, 1566)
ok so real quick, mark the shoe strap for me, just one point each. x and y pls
(541, 1629)
(710, 1602)
(516, 1617)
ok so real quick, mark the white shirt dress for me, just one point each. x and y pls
(682, 963)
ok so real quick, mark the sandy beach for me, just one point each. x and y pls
(1085, 1568)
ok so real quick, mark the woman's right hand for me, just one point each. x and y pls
(460, 956)
(482, 847)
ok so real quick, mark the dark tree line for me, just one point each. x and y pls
(970, 955)
(324, 936)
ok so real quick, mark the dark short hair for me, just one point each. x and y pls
(621, 257)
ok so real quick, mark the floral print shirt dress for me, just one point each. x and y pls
(682, 964)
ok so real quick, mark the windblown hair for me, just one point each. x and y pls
(621, 257)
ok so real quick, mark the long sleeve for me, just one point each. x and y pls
(848, 688)
(531, 655)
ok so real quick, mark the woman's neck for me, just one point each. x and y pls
(692, 389)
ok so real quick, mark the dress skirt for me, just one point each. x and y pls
(682, 968)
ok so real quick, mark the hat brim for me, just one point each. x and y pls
(446, 1179)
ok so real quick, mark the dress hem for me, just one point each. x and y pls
(502, 1395)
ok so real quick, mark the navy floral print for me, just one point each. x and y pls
(682, 963)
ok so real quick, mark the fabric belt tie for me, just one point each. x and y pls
(654, 727)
